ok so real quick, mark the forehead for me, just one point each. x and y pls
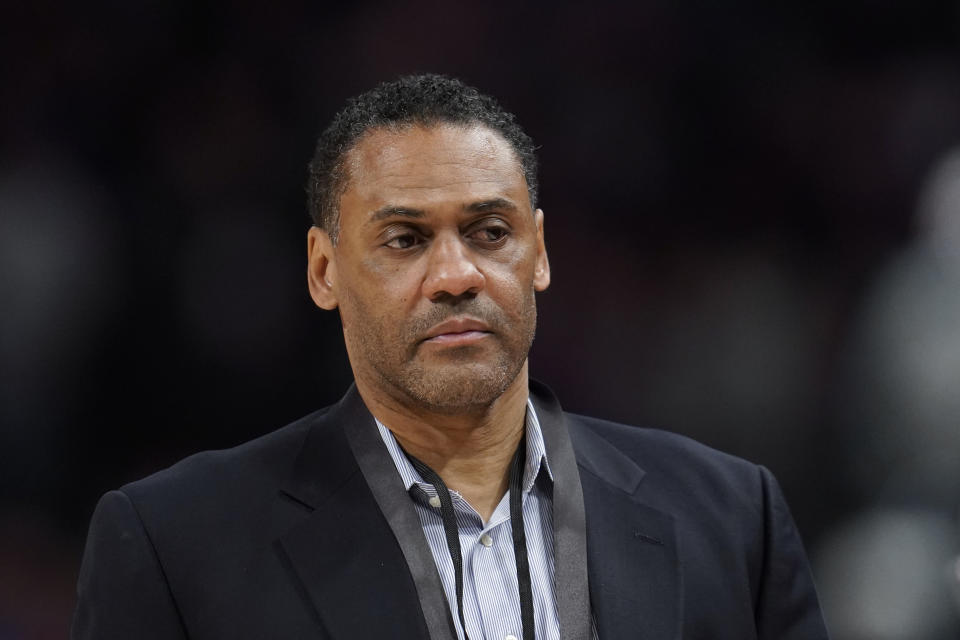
(424, 165)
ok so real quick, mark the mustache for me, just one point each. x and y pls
(486, 312)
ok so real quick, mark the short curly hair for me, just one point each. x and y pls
(425, 100)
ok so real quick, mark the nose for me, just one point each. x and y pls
(451, 270)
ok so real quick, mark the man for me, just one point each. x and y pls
(446, 495)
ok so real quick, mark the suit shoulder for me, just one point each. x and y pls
(652, 440)
(670, 459)
(259, 463)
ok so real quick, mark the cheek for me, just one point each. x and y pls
(390, 285)
(374, 313)
(514, 296)
(514, 273)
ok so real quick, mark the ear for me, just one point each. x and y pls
(541, 270)
(321, 269)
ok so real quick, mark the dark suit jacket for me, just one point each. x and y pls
(282, 538)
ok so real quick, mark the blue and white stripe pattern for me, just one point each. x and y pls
(491, 605)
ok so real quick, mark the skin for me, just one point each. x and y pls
(434, 271)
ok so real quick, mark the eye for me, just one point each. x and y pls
(490, 234)
(403, 241)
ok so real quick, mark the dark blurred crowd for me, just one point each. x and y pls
(752, 214)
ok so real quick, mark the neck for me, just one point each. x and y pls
(470, 451)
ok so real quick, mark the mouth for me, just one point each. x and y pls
(458, 332)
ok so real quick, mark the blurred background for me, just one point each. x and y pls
(752, 213)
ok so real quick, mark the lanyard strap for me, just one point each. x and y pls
(449, 517)
(524, 585)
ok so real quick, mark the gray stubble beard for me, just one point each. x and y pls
(434, 388)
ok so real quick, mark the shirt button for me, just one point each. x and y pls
(487, 541)
(435, 501)
(511, 637)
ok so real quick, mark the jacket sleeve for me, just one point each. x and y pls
(787, 605)
(122, 591)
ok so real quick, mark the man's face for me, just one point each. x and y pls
(437, 261)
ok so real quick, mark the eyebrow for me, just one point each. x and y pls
(390, 210)
(494, 203)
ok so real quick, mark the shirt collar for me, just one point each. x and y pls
(536, 453)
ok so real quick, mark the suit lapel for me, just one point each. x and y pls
(351, 570)
(635, 573)
(344, 554)
(396, 506)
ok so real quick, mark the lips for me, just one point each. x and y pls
(458, 331)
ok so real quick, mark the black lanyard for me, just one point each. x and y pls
(449, 518)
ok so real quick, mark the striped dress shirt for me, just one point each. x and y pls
(491, 604)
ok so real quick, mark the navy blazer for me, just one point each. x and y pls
(282, 537)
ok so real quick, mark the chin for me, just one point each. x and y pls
(459, 388)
